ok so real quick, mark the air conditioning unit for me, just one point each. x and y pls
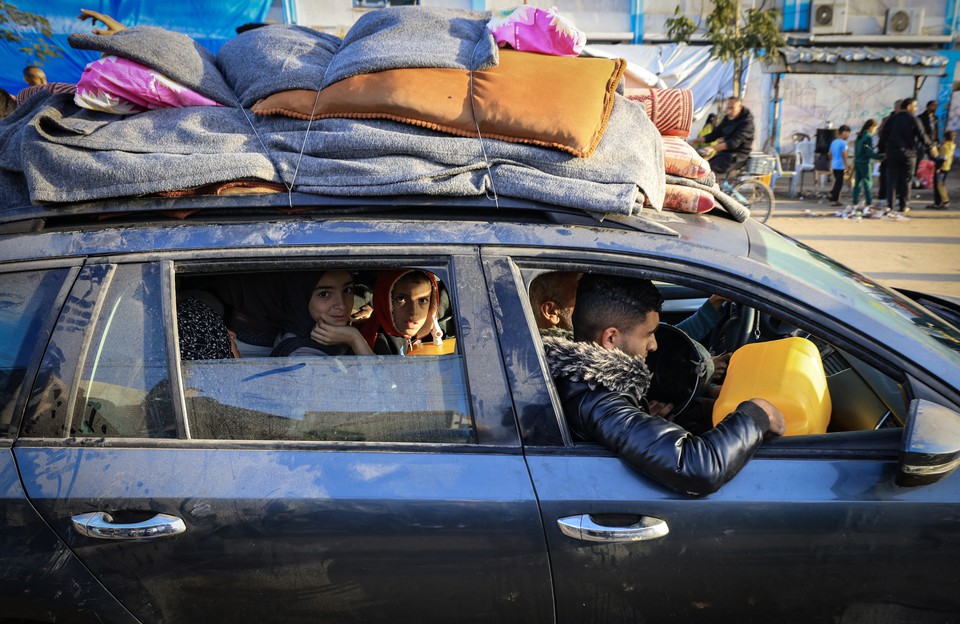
(903, 22)
(828, 18)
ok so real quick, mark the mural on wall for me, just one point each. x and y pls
(812, 101)
(953, 116)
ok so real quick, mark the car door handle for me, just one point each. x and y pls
(100, 525)
(586, 527)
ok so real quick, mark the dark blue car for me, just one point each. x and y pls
(137, 486)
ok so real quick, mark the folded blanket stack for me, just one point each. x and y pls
(690, 186)
(508, 136)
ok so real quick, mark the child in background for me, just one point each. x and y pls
(863, 153)
(941, 199)
(838, 162)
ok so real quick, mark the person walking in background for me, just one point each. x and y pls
(898, 141)
(941, 200)
(882, 191)
(863, 154)
(931, 125)
(838, 163)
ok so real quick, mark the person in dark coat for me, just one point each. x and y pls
(882, 190)
(602, 379)
(898, 141)
(931, 125)
(734, 135)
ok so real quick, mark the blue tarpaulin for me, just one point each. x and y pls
(209, 22)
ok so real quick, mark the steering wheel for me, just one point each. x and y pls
(734, 329)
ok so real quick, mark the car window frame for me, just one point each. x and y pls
(72, 267)
(522, 266)
(491, 410)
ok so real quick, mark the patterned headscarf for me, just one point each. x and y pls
(382, 320)
(203, 334)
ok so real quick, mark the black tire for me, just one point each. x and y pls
(759, 199)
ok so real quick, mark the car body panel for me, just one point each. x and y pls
(361, 536)
(814, 529)
(40, 578)
(754, 549)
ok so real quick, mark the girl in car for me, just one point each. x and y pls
(405, 304)
(331, 308)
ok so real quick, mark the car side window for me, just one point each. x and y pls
(308, 393)
(125, 372)
(26, 299)
(105, 372)
(710, 353)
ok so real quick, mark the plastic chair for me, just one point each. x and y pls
(804, 162)
(779, 172)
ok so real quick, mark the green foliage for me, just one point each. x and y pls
(18, 26)
(733, 34)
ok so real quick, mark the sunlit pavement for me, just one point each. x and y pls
(920, 251)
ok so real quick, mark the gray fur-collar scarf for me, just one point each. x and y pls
(589, 363)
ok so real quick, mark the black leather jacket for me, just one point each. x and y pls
(601, 392)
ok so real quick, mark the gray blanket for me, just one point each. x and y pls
(263, 61)
(72, 154)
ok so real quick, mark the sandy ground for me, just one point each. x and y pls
(920, 252)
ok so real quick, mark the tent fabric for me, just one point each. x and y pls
(680, 66)
(209, 23)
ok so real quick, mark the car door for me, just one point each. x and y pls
(231, 527)
(813, 529)
(34, 561)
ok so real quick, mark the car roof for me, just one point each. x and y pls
(71, 229)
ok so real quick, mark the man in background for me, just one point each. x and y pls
(899, 140)
(734, 135)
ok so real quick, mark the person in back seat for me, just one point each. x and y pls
(202, 334)
(405, 309)
(331, 308)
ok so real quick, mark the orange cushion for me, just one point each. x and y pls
(549, 101)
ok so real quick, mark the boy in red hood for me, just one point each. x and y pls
(405, 304)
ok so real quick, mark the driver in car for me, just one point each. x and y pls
(602, 379)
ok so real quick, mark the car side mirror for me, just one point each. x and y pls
(931, 444)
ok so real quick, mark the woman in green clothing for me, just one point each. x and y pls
(862, 155)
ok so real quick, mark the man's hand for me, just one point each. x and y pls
(778, 426)
(113, 26)
(720, 364)
(659, 408)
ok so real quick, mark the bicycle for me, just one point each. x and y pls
(751, 185)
